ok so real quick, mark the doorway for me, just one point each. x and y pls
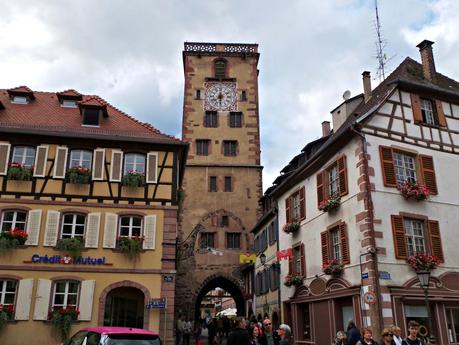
(124, 307)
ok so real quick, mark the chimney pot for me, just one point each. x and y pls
(427, 59)
(325, 128)
(366, 78)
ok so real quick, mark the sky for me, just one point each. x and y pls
(129, 53)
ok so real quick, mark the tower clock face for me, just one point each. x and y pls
(220, 97)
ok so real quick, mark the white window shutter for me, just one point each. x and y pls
(152, 167)
(110, 230)
(42, 299)
(86, 299)
(52, 229)
(116, 166)
(60, 161)
(98, 165)
(23, 299)
(92, 230)
(4, 157)
(41, 159)
(149, 232)
(33, 227)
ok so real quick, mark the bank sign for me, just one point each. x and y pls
(67, 260)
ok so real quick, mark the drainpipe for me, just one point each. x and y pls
(372, 249)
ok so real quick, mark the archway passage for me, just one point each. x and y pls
(124, 307)
(224, 284)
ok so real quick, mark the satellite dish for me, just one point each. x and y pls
(346, 95)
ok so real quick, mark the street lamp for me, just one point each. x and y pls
(424, 279)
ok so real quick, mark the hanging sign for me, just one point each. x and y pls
(284, 254)
(369, 297)
(247, 258)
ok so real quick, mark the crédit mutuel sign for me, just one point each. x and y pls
(67, 260)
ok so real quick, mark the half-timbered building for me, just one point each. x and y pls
(88, 207)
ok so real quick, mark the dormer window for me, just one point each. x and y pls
(19, 100)
(69, 103)
(21, 95)
(91, 117)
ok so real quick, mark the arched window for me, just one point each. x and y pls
(25, 155)
(220, 69)
(81, 158)
(73, 225)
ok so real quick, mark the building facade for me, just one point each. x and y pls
(96, 193)
(222, 185)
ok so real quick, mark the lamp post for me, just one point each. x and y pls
(424, 279)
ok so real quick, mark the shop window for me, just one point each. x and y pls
(305, 326)
(65, 294)
(73, 226)
(81, 158)
(13, 220)
(24, 155)
(130, 226)
(452, 317)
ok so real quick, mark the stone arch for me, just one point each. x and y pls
(222, 212)
(414, 283)
(124, 283)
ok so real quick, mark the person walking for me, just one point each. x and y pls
(397, 335)
(254, 333)
(340, 338)
(353, 333)
(239, 336)
(268, 337)
(412, 338)
(285, 333)
(187, 328)
(388, 337)
(367, 337)
(197, 332)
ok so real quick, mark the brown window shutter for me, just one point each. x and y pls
(303, 260)
(435, 240)
(345, 259)
(320, 187)
(288, 214)
(342, 173)
(324, 244)
(302, 204)
(416, 108)
(387, 165)
(398, 232)
(40, 161)
(440, 113)
(290, 264)
(428, 173)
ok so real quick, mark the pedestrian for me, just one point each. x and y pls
(367, 337)
(397, 335)
(353, 333)
(239, 336)
(284, 332)
(412, 339)
(268, 337)
(179, 330)
(254, 333)
(197, 332)
(388, 337)
(212, 331)
(340, 338)
(187, 329)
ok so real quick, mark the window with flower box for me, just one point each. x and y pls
(134, 162)
(297, 264)
(8, 289)
(65, 294)
(13, 219)
(73, 226)
(335, 244)
(81, 158)
(130, 226)
(332, 181)
(295, 206)
(24, 155)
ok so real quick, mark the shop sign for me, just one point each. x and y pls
(157, 303)
(67, 260)
(247, 258)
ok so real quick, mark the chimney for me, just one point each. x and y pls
(366, 85)
(427, 59)
(325, 128)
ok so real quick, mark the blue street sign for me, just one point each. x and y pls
(364, 275)
(157, 303)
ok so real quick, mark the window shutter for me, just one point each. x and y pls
(149, 229)
(428, 173)
(416, 108)
(302, 204)
(387, 165)
(320, 187)
(288, 214)
(52, 229)
(42, 299)
(98, 165)
(398, 231)
(116, 166)
(342, 173)
(41, 158)
(152, 167)
(4, 157)
(324, 244)
(23, 299)
(303, 260)
(60, 160)
(92, 230)
(435, 240)
(110, 230)
(345, 257)
(440, 113)
(86, 299)
(33, 227)
(290, 264)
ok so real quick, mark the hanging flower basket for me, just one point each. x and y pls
(12, 239)
(130, 246)
(413, 190)
(19, 172)
(133, 179)
(62, 318)
(293, 279)
(6, 314)
(289, 228)
(423, 262)
(72, 246)
(333, 268)
(78, 175)
(330, 204)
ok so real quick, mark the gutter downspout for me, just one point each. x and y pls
(373, 253)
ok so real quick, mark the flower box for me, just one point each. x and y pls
(72, 246)
(333, 268)
(293, 279)
(12, 239)
(330, 204)
(6, 314)
(423, 262)
(289, 228)
(19, 172)
(78, 175)
(61, 319)
(133, 179)
(413, 190)
(130, 246)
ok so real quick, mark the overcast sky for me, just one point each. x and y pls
(129, 52)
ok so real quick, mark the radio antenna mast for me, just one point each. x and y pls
(380, 45)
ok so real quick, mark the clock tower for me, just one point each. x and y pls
(222, 183)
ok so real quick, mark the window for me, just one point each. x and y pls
(69, 103)
(335, 244)
(91, 117)
(230, 147)
(81, 158)
(243, 95)
(202, 147)
(233, 240)
(134, 162)
(7, 292)
(73, 225)
(24, 155)
(297, 264)
(414, 234)
(211, 119)
(207, 240)
(212, 183)
(235, 120)
(13, 220)
(228, 184)
(295, 207)
(224, 221)
(198, 94)
(405, 167)
(427, 110)
(306, 321)
(220, 69)
(272, 232)
(275, 276)
(333, 181)
(452, 316)
(19, 100)
(130, 226)
(65, 294)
